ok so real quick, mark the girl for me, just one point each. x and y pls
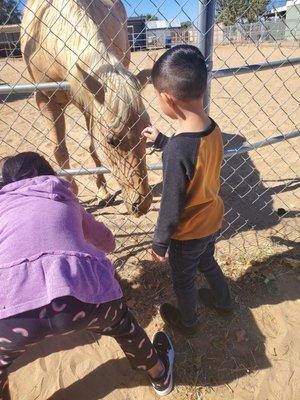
(55, 277)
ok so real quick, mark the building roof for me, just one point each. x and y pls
(163, 24)
(140, 18)
(280, 9)
(291, 3)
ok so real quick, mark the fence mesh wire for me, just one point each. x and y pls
(259, 188)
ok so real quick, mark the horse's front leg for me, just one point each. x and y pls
(104, 196)
(53, 112)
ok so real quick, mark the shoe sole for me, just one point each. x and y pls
(171, 363)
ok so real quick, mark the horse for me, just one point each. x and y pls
(86, 43)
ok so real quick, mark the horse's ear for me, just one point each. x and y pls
(144, 76)
(93, 85)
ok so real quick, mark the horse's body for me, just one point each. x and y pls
(86, 44)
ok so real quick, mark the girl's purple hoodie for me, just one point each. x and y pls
(50, 247)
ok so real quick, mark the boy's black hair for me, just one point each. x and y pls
(181, 72)
(23, 166)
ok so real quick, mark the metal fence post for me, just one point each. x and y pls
(206, 12)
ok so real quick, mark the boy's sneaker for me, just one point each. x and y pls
(171, 316)
(163, 345)
(207, 298)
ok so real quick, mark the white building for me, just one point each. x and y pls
(289, 14)
(162, 33)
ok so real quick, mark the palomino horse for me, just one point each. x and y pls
(86, 43)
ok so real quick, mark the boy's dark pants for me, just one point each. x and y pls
(186, 258)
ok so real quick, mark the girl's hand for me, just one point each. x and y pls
(150, 133)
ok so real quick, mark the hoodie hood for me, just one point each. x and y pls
(50, 187)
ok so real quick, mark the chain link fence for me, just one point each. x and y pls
(72, 99)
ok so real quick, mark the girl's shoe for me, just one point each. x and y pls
(163, 345)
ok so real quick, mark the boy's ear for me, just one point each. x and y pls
(168, 99)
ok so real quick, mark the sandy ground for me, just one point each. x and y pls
(253, 355)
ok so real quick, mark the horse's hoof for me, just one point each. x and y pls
(110, 200)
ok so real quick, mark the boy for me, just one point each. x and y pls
(191, 210)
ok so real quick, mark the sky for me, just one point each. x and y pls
(277, 3)
(167, 9)
(170, 9)
(164, 9)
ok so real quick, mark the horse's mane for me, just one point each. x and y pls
(122, 94)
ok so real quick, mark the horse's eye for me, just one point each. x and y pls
(113, 140)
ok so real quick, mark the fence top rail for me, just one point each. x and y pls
(158, 166)
(225, 72)
(10, 28)
(245, 69)
(33, 87)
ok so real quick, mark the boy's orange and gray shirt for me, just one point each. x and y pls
(191, 207)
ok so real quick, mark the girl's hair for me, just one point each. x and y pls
(23, 166)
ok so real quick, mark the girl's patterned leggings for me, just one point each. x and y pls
(66, 315)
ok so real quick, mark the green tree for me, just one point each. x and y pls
(9, 12)
(256, 9)
(186, 24)
(150, 17)
(231, 11)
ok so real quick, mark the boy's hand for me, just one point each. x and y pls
(161, 260)
(150, 133)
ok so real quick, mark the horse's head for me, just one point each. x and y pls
(119, 117)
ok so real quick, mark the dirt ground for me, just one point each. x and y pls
(255, 354)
